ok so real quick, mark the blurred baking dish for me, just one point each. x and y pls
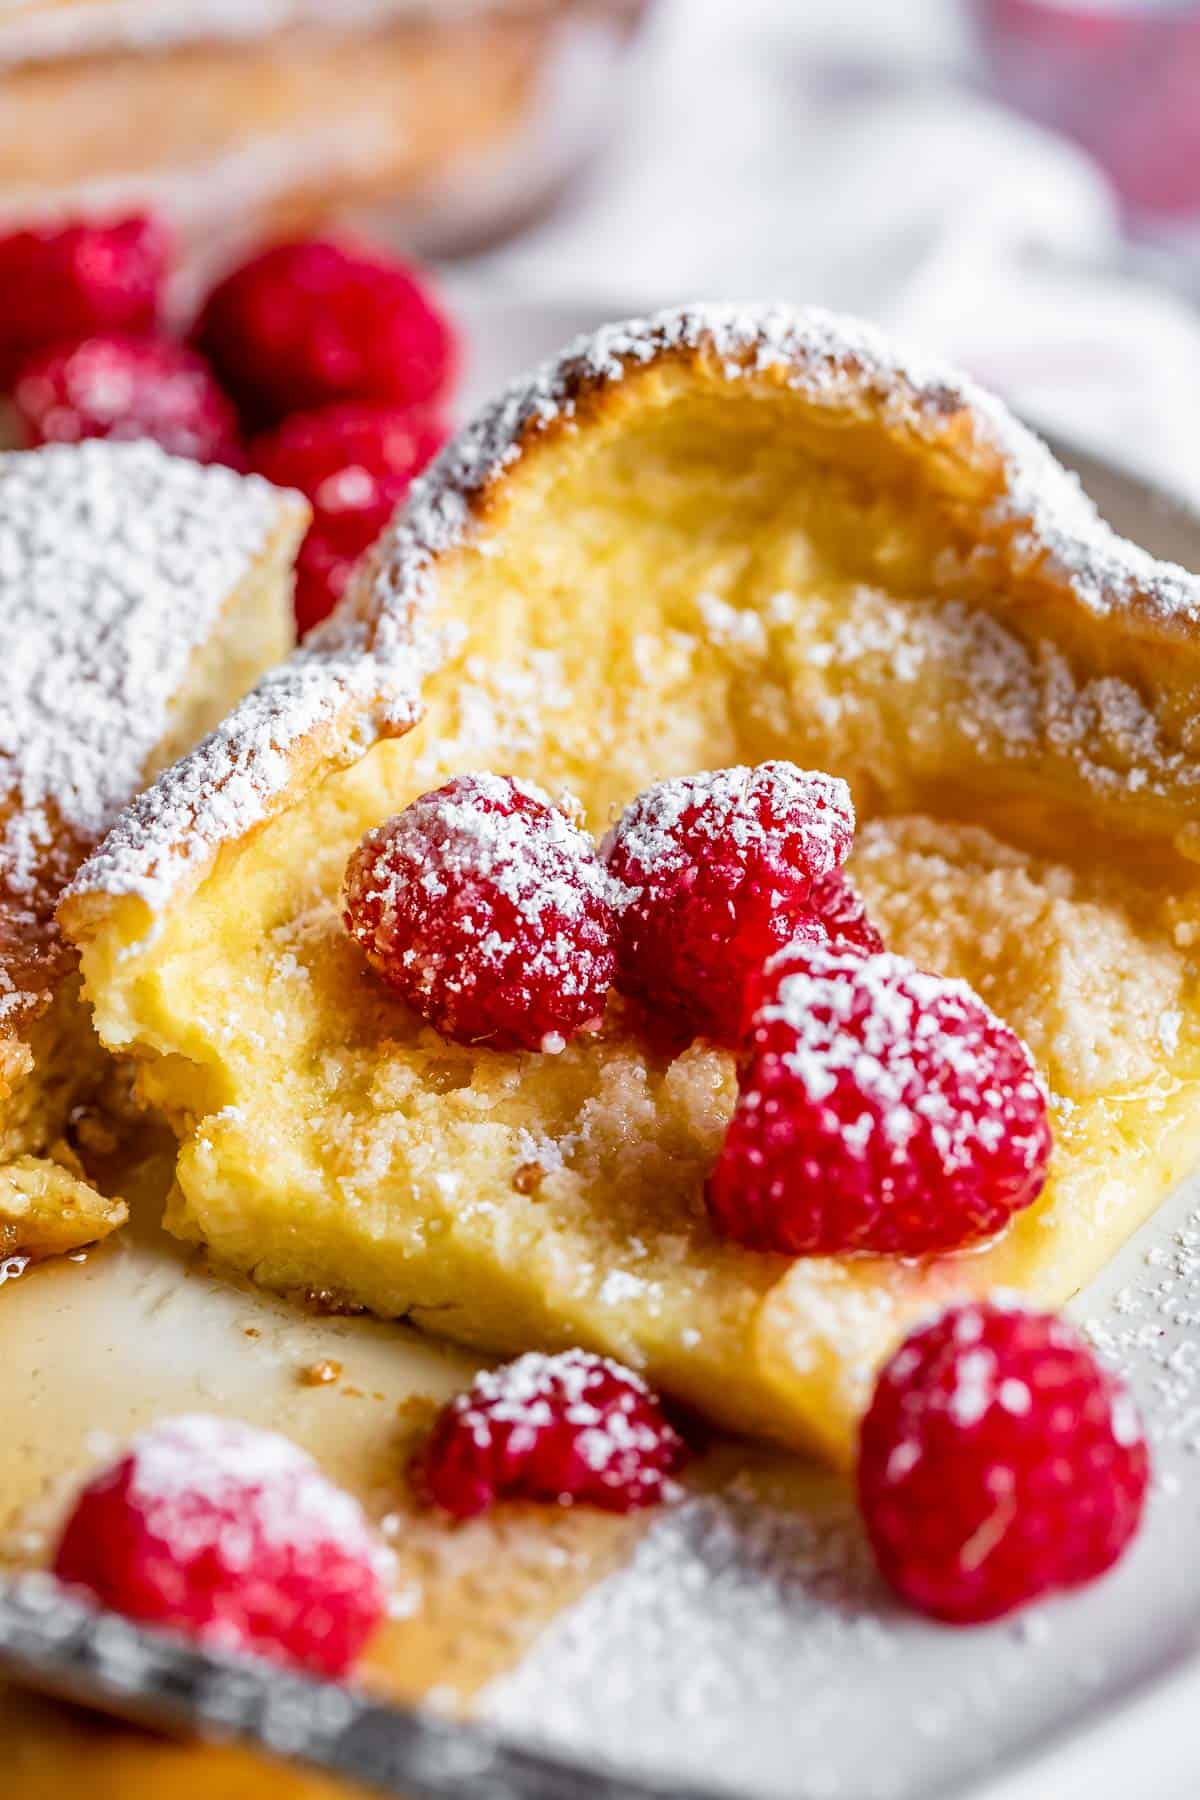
(461, 116)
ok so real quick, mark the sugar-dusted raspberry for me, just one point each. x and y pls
(572, 1427)
(487, 910)
(127, 387)
(70, 280)
(839, 909)
(998, 1461)
(306, 323)
(712, 874)
(879, 1108)
(234, 1536)
(355, 463)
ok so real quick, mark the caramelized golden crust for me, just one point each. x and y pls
(714, 537)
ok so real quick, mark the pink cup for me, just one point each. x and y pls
(1122, 77)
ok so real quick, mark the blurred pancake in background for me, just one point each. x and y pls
(448, 121)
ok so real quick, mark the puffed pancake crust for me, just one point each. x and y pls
(139, 597)
(716, 536)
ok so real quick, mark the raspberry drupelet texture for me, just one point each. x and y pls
(487, 910)
(839, 910)
(355, 463)
(713, 873)
(70, 280)
(123, 387)
(566, 1428)
(880, 1109)
(307, 323)
(998, 1461)
(233, 1536)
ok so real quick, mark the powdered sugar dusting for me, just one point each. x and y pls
(1014, 696)
(518, 1392)
(974, 1387)
(888, 1027)
(565, 1427)
(1153, 1321)
(219, 1462)
(832, 361)
(454, 838)
(115, 563)
(746, 810)
(360, 675)
(880, 1108)
(688, 1663)
(356, 678)
(487, 909)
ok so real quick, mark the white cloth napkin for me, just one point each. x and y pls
(836, 151)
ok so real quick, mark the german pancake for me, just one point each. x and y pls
(719, 536)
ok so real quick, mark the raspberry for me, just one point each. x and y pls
(310, 322)
(127, 387)
(67, 281)
(998, 1461)
(323, 572)
(838, 908)
(355, 464)
(714, 873)
(880, 1109)
(234, 1536)
(558, 1428)
(487, 911)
